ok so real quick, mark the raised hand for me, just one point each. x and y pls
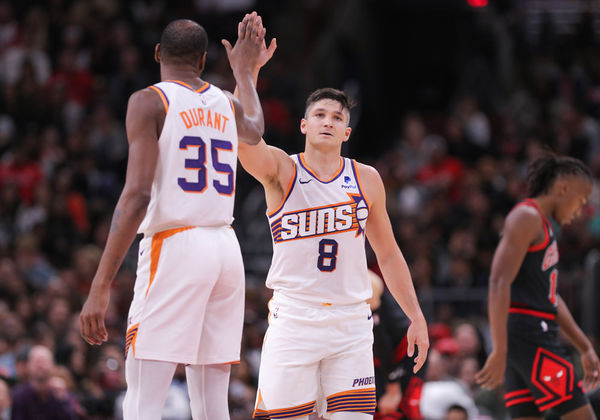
(245, 55)
(266, 53)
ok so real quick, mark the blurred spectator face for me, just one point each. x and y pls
(460, 272)
(59, 387)
(12, 327)
(40, 365)
(467, 370)
(12, 284)
(468, 339)
(58, 314)
(111, 368)
(437, 367)
(4, 395)
(456, 413)
(414, 130)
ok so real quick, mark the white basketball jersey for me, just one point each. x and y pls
(194, 181)
(319, 238)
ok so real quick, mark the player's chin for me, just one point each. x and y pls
(565, 221)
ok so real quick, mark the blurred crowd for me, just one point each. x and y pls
(67, 68)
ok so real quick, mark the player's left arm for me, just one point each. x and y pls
(392, 263)
(589, 358)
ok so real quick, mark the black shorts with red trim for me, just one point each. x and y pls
(539, 371)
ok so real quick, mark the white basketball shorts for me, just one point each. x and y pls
(316, 358)
(188, 303)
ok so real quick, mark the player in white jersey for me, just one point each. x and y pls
(189, 293)
(317, 352)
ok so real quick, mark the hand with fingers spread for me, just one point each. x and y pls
(417, 335)
(244, 55)
(591, 370)
(492, 373)
(91, 319)
(266, 53)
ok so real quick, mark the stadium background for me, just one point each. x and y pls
(455, 100)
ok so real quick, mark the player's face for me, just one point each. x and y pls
(326, 123)
(574, 195)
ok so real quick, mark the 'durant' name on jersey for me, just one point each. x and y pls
(335, 218)
(199, 117)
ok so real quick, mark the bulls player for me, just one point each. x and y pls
(525, 309)
(317, 352)
(189, 293)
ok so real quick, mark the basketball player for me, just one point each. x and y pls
(188, 300)
(317, 353)
(536, 367)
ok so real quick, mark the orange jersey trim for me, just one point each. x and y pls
(360, 400)
(202, 89)
(232, 105)
(157, 242)
(313, 173)
(360, 187)
(284, 413)
(163, 97)
(130, 338)
(287, 194)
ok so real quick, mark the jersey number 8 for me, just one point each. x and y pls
(328, 249)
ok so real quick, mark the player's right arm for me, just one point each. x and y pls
(144, 120)
(521, 229)
(243, 58)
(269, 165)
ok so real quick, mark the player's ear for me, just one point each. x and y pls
(347, 133)
(562, 186)
(157, 53)
(303, 126)
(202, 62)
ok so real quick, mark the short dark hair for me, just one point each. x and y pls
(183, 40)
(544, 170)
(330, 93)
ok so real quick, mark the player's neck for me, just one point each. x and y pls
(183, 74)
(324, 164)
(545, 204)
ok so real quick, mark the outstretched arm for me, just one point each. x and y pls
(520, 230)
(393, 265)
(145, 116)
(589, 358)
(271, 166)
(243, 58)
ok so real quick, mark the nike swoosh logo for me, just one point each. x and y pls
(370, 316)
(305, 182)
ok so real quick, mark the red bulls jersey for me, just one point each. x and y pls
(534, 288)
